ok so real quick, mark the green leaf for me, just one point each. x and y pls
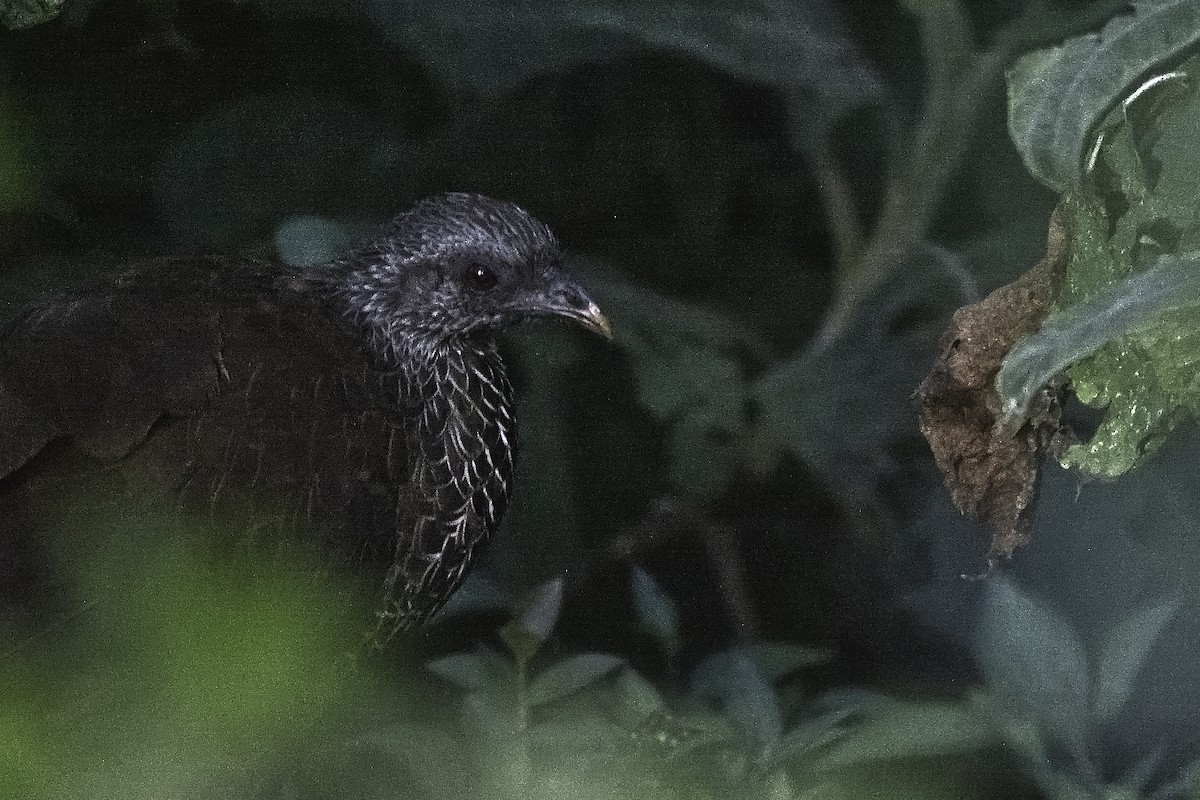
(655, 609)
(1124, 653)
(483, 671)
(778, 659)
(1069, 336)
(17, 14)
(1032, 656)
(637, 698)
(1126, 329)
(733, 679)
(896, 729)
(688, 363)
(1185, 783)
(1023, 736)
(590, 742)
(494, 719)
(802, 49)
(480, 592)
(525, 634)
(1057, 97)
(186, 672)
(570, 675)
(810, 736)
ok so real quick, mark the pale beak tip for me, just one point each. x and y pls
(595, 320)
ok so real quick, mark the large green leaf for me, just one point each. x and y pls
(1134, 305)
(1126, 327)
(1058, 96)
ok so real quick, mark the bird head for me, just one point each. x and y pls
(458, 265)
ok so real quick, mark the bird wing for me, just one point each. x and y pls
(215, 380)
(99, 365)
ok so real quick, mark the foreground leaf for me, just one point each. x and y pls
(897, 729)
(570, 675)
(1124, 654)
(1031, 656)
(1058, 96)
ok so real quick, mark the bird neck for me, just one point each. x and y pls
(450, 374)
(457, 371)
(468, 430)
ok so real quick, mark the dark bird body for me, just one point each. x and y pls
(363, 402)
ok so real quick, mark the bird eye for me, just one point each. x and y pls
(480, 277)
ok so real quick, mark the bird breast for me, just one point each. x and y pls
(466, 439)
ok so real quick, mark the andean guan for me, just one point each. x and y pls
(362, 402)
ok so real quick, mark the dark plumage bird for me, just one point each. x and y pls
(363, 400)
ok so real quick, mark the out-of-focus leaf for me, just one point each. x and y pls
(481, 671)
(732, 679)
(580, 739)
(655, 610)
(1185, 784)
(809, 736)
(1125, 650)
(637, 698)
(480, 592)
(1058, 96)
(525, 634)
(1022, 734)
(195, 673)
(495, 721)
(19, 186)
(800, 48)
(17, 14)
(688, 363)
(246, 167)
(1135, 780)
(845, 411)
(425, 758)
(307, 239)
(777, 659)
(569, 676)
(896, 729)
(1032, 656)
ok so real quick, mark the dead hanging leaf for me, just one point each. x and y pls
(991, 470)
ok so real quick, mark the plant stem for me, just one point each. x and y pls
(958, 78)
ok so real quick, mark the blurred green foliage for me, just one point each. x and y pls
(20, 189)
(177, 676)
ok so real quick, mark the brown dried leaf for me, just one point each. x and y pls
(991, 470)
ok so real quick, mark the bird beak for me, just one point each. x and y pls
(572, 302)
(592, 319)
